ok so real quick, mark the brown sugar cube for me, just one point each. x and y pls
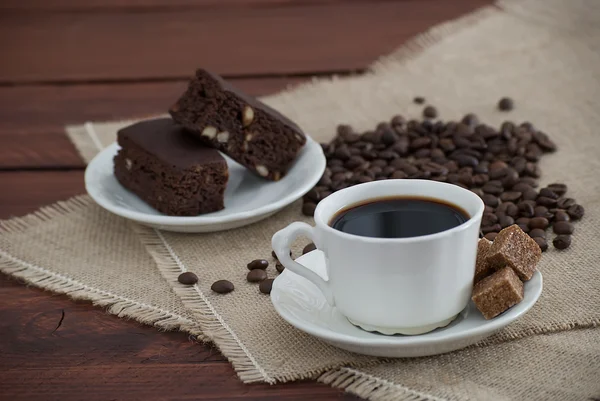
(513, 248)
(498, 292)
(482, 267)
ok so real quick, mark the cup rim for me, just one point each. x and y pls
(319, 221)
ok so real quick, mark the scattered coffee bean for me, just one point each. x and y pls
(563, 227)
(523, 227)
(419, 100)
(562, 241)
(279, 267)
(430, 112)
(561, 215)
(542, 243)
(537, 232)
(576, 212)
(309, 248)
(495, 228)
(559, 189)
(498, 165)
(539, 222)
(490, 236)
(256, 275)
(265, 286)
(187, 278)
(489, 219)
(505, 104)
(223, 286)
(506, 221)
(490, 200)
(308, 209)
(258, 264)
(548, 193)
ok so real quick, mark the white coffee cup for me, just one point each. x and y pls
(392, 285)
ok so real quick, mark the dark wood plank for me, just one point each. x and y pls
(303, 38)
(32, 118)
(24, 192)
(96, 356)
(139, 5)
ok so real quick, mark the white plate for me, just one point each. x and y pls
(301, 304)
(248, 198)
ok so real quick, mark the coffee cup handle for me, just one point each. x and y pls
(282, 240)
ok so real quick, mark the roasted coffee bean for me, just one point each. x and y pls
(258, 264)
(518, 163)
(420, 142)
(505, 104)
(430, 112)
(537, 232)
(344, 130)
(548, 193)
(342, 153)
(398, 175)
(354, 151)
(532, 170)
(489, 219)
(488, 209)
(542, 211)
(482, 168)
(512, 210)
(565, 203)
(562, 241)
(389, 136)
(313, 196)
(477, 191)
(422, 153)
(561, 215)
(254, 276)
(447, 145)
(279, 267)
(401, 146)
(325, 180)
(522, 220)
(495, 228)
(497, 166)
(511, 196)
(375, 171)
(266, 286)
(434, 168)
(545, 201)
(490, 236)
(223, 286)
(523, 227)
(308, 209)
(506, 221)
(510, 179)
(388, 155)
(353, 162)
(480, 179)
(576, 212)
(309, 248)
(364, 179)
(542, 243)
(379, 162)
(539, 222)
(493, 187)
(563, 227)
(529, 194)
(496, 174)
(470, 119)
(526, 209)
(325, 194)
(466, 179)
(398, 120)
(521, 187)
(544, 142)
(187, 278)
(532, 182)
(490, 200)
(557, 188)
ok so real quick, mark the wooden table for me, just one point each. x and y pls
(69, 61)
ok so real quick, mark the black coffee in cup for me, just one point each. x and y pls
(398, 217)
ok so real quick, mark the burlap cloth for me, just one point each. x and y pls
(544, 54)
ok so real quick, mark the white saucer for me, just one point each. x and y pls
(248, 198)
(301, 304)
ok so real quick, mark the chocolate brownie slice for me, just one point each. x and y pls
(169, 169)
(250, 132)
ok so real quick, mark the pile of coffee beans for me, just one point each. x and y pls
(498, 164)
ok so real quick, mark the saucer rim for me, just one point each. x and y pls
(312, 150)
(487, 328)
